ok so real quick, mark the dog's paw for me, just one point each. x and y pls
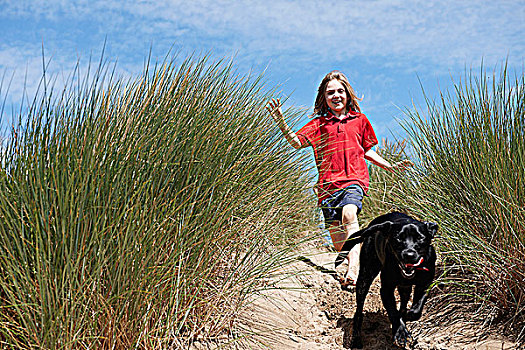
(356, 343)
(412, 315)
(403, 337)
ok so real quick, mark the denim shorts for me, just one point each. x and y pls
(332, 206)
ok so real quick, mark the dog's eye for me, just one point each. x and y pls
(421, 237)
(400, 238)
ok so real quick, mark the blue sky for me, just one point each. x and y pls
(386, 48)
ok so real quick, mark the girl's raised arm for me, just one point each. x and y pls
(274, 108)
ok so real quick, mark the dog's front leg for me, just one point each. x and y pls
(400, 334)
(404, 293)
(420, 297)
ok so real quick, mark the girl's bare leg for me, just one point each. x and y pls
(339, 233)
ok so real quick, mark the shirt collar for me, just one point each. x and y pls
(329, 115)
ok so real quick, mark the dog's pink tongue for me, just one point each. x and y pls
(415, 265)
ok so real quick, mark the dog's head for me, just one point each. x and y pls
(410, 243)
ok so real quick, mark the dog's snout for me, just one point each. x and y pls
(409, 256)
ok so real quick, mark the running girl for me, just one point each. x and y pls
(342, 139)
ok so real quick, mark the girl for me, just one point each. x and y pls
(341, 138)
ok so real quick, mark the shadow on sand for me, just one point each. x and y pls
(319, 268)
(376, 331)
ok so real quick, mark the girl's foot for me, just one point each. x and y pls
(353, 267)
(347, 282)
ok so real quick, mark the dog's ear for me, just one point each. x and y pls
(432, 228)
(384, 227)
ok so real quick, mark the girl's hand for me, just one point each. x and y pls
(274, 108)
(402, 165)
(375, 158)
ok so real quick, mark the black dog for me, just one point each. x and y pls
(400, 248)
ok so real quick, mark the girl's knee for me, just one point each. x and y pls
(349, 213)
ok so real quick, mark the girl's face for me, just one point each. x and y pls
(335, 96)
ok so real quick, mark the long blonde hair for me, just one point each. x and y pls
(351, 102)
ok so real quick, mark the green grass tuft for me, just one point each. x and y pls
(141, 212)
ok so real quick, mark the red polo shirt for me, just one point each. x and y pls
(339, 148)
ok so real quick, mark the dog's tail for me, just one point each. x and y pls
(355, 238)
(358, 237)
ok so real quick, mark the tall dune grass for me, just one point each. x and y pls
(140, 213)
(469, 150)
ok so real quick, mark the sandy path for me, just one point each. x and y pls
(310, 311)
